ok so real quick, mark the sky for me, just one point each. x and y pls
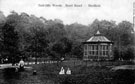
(116, 10)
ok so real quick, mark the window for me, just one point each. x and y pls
(92, 47)
(97, 52)
(101, 50)
(85, 52)
(89, 47)
(104, 50)
(106, 47)
(104, 53)
(89, 52)
(93, 50)
(85, 47)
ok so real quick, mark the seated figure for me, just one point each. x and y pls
(62, 71)
(68, 71)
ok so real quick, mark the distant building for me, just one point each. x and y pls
(98, 47)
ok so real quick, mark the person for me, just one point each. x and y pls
(21, 65)
(68, 72)
(62, 71)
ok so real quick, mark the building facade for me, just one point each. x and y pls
(98, 47)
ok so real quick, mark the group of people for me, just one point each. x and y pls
(62, 71)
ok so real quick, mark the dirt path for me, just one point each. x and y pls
(130, 67)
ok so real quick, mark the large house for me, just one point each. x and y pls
(98, 47)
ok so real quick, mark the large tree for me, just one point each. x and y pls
(38, 39)
(62, 47)
(10, 41)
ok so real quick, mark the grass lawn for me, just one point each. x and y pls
(81, 74)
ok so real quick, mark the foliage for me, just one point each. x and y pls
(10, 40)
(62, 47)
(77, 50)
(32, 36)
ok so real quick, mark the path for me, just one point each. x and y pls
(130, 67)
(3, 66)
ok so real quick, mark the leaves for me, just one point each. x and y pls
(36, 36)
(62, 47)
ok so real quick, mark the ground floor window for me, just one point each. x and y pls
(85, 52)
(104, 50)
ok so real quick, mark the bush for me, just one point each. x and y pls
(126, 53)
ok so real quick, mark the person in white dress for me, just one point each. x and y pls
(62, 71)
(68, 71)
(21, 64)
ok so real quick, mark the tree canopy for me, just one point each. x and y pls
(24, 35)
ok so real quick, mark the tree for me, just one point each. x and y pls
(2, 23)
(62, 47)
(10, 40)
(2, 19)
(38, 40)
(125, 33)
(56, 31)
(77, 50)
(77, 32)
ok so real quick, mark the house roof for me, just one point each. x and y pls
(98, 38)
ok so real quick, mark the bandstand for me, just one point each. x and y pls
(98, 47)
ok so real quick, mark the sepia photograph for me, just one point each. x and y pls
(67, 41)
